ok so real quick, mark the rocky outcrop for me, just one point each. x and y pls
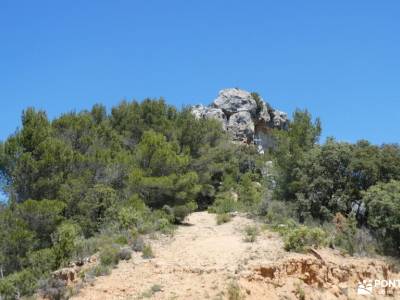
(201, 111)
(247, 117)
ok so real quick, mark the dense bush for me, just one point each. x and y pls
(224, 203)
(301, 238)
(17, 284)
(65, 240)
(42, 261)
(383, 202)
(109, 256)
(53, 289)
(180, 212)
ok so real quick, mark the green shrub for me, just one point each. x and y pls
(303, 237)
(99, 270)
(121, 239)
(125, 254)
(163, 221)
(53, 289)
(278, 212)
(383, 203)
(250, 233)
(343, 235)
(147, 252)
(23, 283)
(138, 244)
(224, 203)
(65, 240)
(109, 256)
(42, 261)
(182, 211)
(85, 248)
(223, 218)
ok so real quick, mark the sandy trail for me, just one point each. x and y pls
(196, 263)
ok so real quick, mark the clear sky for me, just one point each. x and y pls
(340, 59)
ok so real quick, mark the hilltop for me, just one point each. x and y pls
(92, 190)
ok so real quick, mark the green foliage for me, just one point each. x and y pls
(383, 202)
(250, 192)
(99, 179)
(279, 212)
(94, 206)
(65, 240)
(42, 261)
(301, 137)
(224, 203)
(17, 284)
(109, 256)
(99, 270)
(42, 217)
(250, 233)
(327, 179)
(17, 241)
(182, 211)
(84, 248)
(301, 238)
(53, 289)
(147, 252)
(95, 178)
(344, 233)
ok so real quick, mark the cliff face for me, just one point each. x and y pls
(248, 118)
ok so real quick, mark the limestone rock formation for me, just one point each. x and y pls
(246, 117)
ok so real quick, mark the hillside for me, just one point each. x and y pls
(89, 190)
(203, 260)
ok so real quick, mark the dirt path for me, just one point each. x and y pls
(196, 263)
(202, 258)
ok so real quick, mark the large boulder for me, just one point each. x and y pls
(248, 119)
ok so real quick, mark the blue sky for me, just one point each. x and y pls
(339, 59)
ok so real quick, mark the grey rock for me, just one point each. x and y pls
(235, 100)
(200, 111)
(279, 119)
(241, 126)
(264, 115)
